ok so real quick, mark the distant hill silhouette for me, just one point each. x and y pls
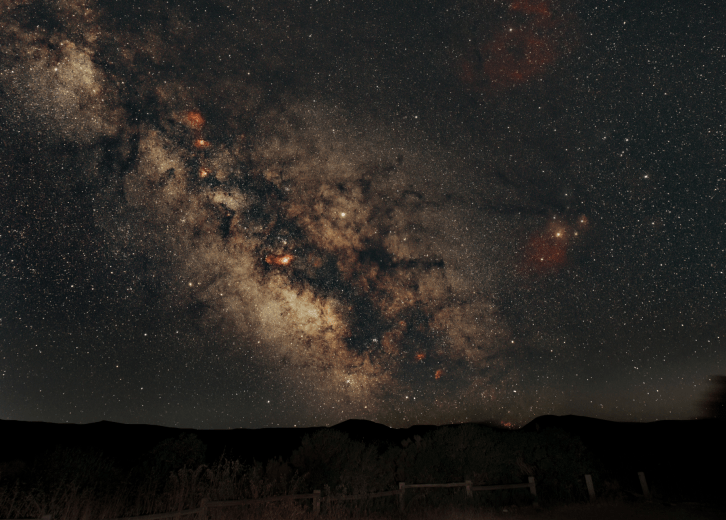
(127, 443)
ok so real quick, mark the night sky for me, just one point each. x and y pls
(229, 214)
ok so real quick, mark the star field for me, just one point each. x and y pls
(250, 214)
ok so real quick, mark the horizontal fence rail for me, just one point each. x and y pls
(503, 486)
(362, 497)
(206, 504)
(402, 486)
(452, 484)
(250, 501)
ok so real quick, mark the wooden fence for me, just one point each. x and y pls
(402, 486)
(205, 505)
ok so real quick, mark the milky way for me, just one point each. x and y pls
(419, 213)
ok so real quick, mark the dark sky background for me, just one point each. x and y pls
(230, 214)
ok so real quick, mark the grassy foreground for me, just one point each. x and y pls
(72, 503)
(85, 485)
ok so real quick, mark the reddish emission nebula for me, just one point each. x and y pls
(292, 214)
(279, 259)
(533, 37)
(194, 120)
(546, 250)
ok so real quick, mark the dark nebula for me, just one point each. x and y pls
(225, 214)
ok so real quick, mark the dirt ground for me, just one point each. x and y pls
(615, 511)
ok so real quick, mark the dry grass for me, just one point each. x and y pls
(184, 489)
(227, 480)
(601, 510)
(615, 510)
(595, 511)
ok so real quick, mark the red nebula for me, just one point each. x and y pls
(529, 7)
(516, 56)
(194, 120)
(523, 48)
(546, 251)
(282, 260)
(545, 254)
(439, 373)
(202, 143)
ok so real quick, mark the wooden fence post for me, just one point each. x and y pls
(203, 507)
(316, 502)
(401, 490)
(644, 485)
(468, 489)
(590, 487)
(533, 489)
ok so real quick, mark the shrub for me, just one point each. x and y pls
(88, 469)
(171, 455)
(330, 458)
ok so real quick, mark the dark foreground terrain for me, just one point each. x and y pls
(597, 511)
(109, 470)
